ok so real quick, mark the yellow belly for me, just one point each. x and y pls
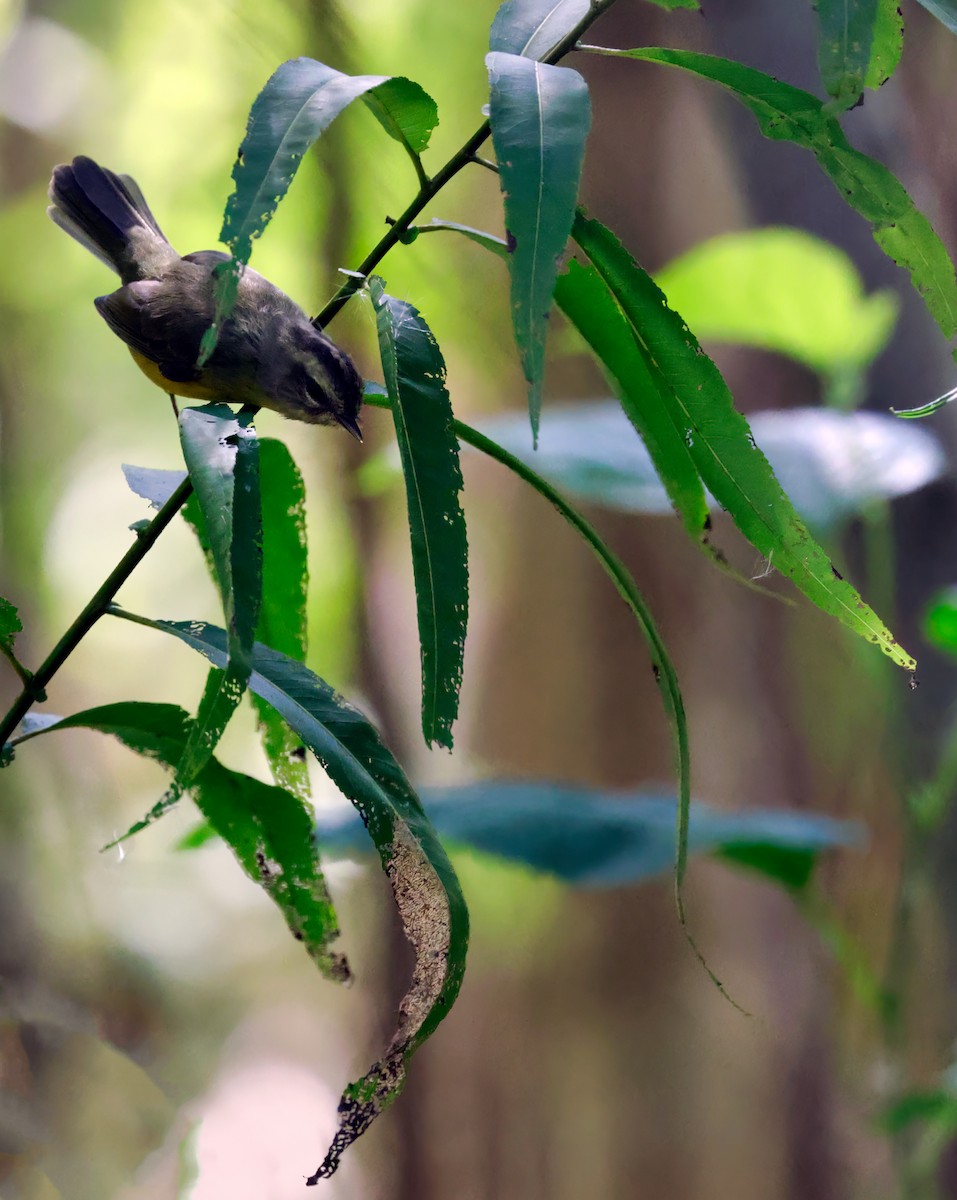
(191, 391)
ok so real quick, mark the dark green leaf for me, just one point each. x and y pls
(786, 113)
(540, 117)
(269, 831)
(282, 617)
(10, 624)
(426, 890)
(845, 37)
(831, 464)
(415, 380)
(222, 455)
(944, 10)
(940, 621)
(607, 839)
(586, 301)
(152, 484)
(720, 441)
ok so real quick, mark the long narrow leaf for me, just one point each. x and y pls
(944, 10)
(887, 44)
(720, 442)
(540, 116)
(534, 27)
(415, 379)
(786, 113)
(426, 891)
(268, 830)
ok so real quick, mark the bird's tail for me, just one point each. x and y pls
(107, 214)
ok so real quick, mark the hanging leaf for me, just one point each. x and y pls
(269, 831)
(786, 113)
(720, 442)
(429, 451)
(152, 484)
(845, 38)
(597, 839)
(539, 116)
(425, 888)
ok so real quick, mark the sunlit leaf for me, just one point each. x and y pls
(540, 116)
(594, 838)
(785, 113)
(283, 615)
(720, 441)
(888, 43)
(782, 290)
(587, 302)
(415, 380)
(831, 464)
(269, 831)
(845, 37)
(405, 111)
(426, 891)
(10, 624)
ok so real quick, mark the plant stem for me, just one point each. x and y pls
(428, 189)
(94, 610)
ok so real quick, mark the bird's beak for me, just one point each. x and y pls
(352, 425)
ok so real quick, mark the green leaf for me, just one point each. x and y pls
(269, 831)
(283, 614)
(888, 43)
(940, 621)
(426, 891)
(846, 34)
(222, 456)
(782, 290)
(586, 301)
(597, 839)
(832, 465)
(532, 28)
(720, 442)
(937, 1108)
(944, 10)
(405, 111)
(540, 116)
(786, 113)
(415, 379)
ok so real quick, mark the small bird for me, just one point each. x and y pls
(268, 353)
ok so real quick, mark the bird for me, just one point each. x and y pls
(268, 353)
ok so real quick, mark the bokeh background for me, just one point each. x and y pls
(161, 1036)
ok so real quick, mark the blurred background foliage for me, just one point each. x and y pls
(160, 1035)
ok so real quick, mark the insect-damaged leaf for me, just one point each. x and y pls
(415, 381)
(540, 116)
(424, 885)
